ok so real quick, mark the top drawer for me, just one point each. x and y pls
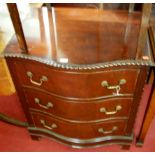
(79, 84)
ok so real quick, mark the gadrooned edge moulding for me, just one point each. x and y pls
(49, 62)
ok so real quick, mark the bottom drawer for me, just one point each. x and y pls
(79, 130)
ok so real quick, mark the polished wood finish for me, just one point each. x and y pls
(80, 37)
(77, 143)
(149, 115)
(151, 33)
(92, 29)
(143, 29)
(60, 82)
(138, 93)
(17, 25)
(111, 6)
(79, 130)
(26, 99)
(19, 91)
(89, 110)
(150, 111)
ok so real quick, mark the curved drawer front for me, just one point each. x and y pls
(79, 130)
(81, 84)
(81, 111)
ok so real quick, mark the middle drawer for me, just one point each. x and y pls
(78, 110)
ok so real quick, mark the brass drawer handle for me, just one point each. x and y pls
(49, 104)
(42, 79)
(50, 127)
(116, 87)
(101, 130)
(118, 108)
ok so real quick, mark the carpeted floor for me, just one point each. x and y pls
(14, 138)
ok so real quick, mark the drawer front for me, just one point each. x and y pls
(80, 84)
(79, 110)
(79, 130)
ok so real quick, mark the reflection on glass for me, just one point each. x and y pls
(82, 36)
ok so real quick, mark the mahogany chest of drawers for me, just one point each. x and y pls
(79, 107)
(75, 88)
